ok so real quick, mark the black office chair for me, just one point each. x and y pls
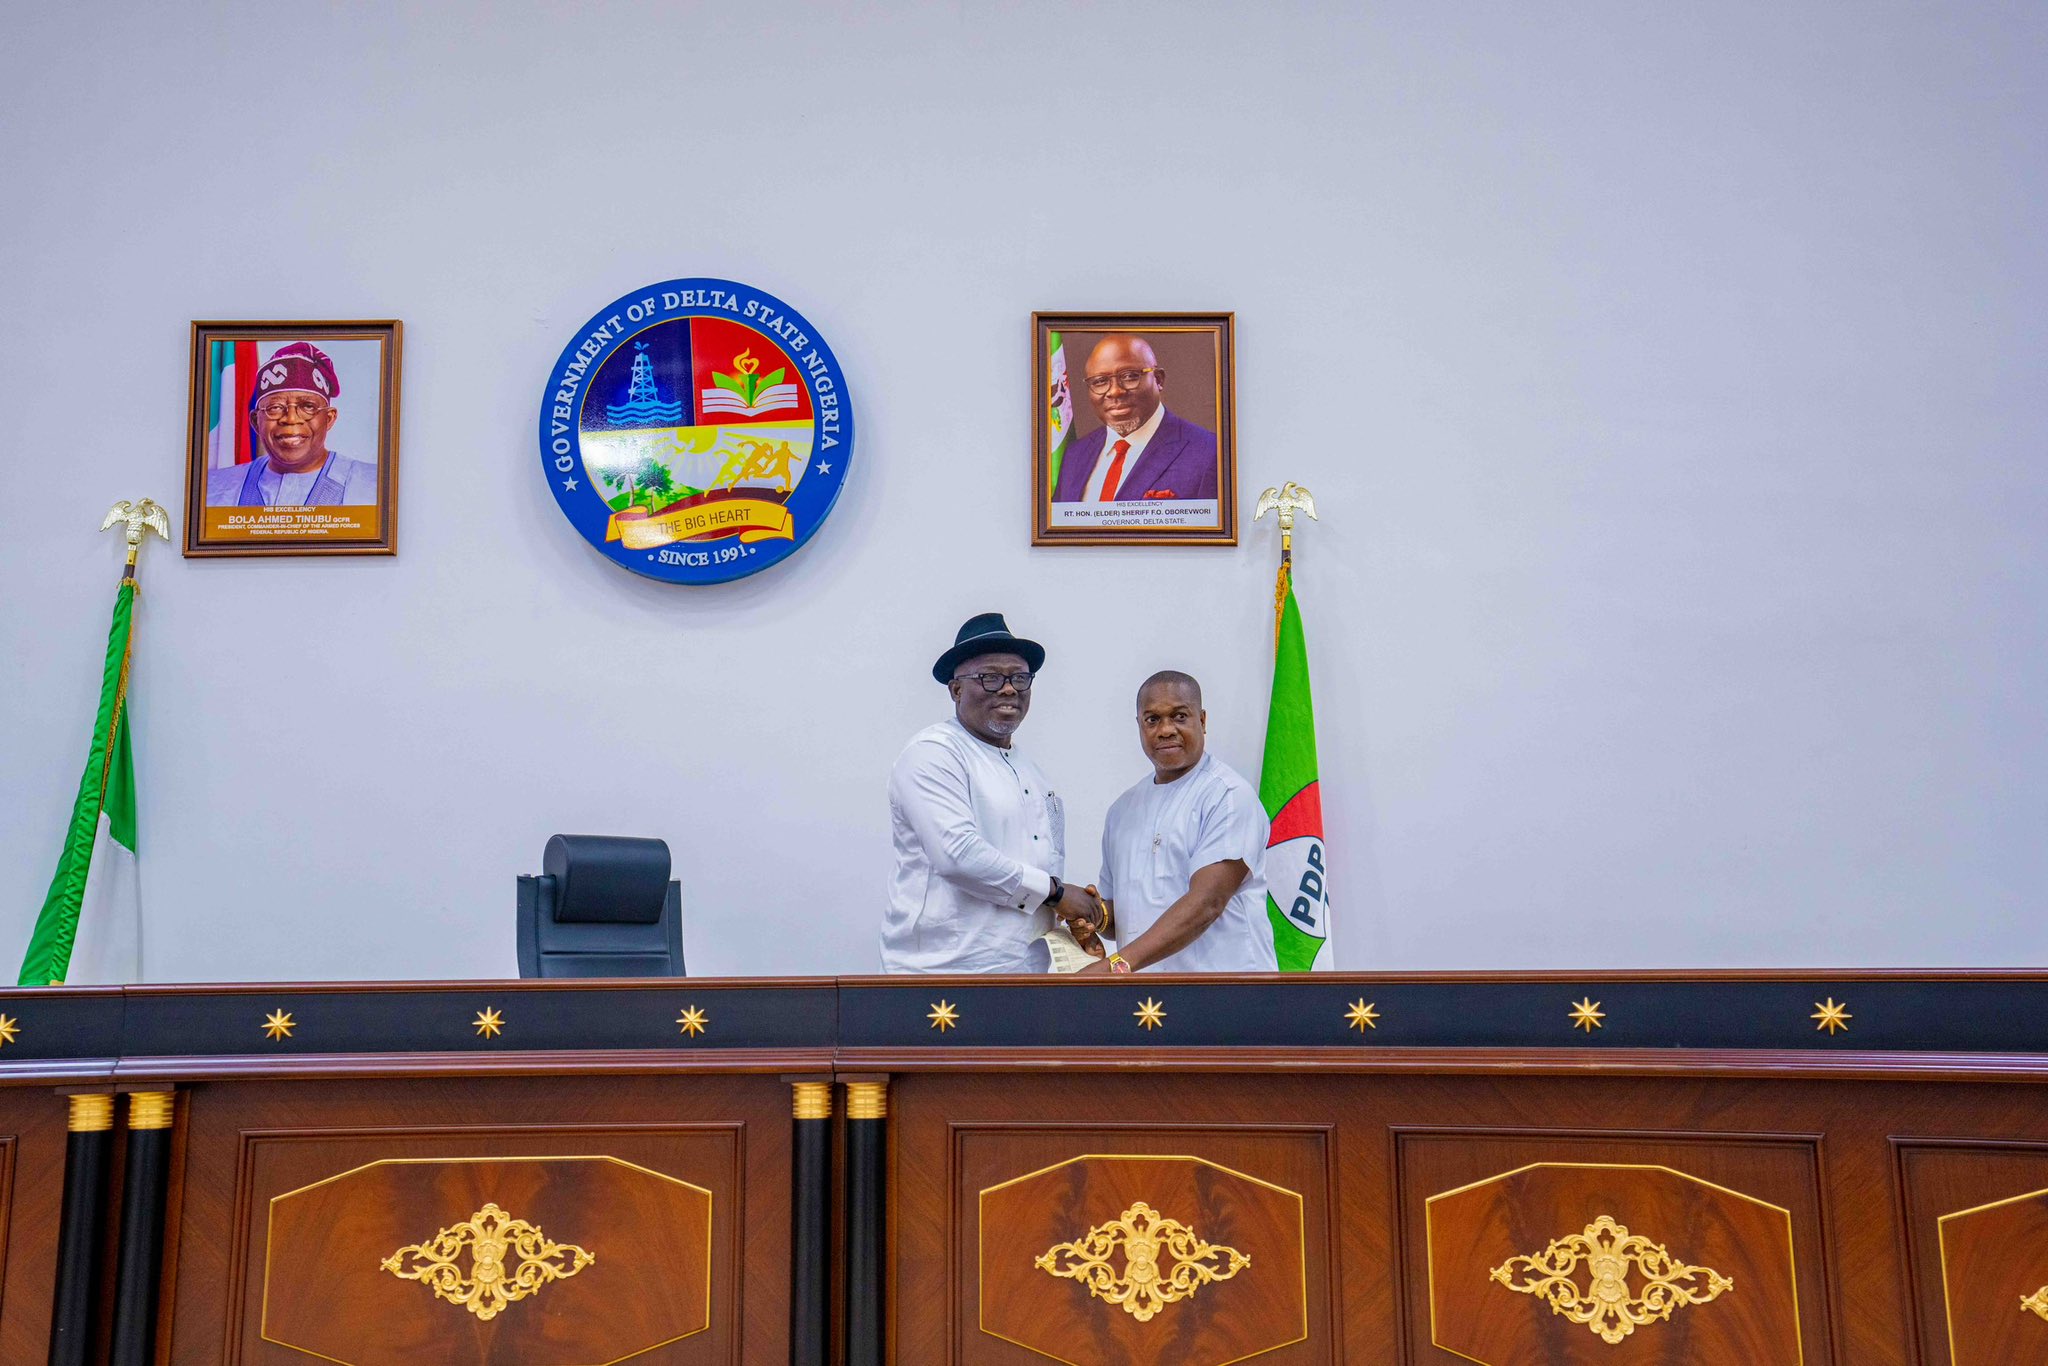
(603, 906)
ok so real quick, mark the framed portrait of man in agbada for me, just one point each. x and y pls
(1135, 438)
(292, 441)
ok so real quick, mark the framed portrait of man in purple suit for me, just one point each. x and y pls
(1135, 438)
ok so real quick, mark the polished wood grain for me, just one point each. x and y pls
(245, 1144)
(1867, 1148)
(1737, 1252)
(1976, 1225)
(1262, 1306)
(10, 1145)
(31, 1192)
(956, 1137)
(1994, 1263)
(1822, 1151)
(630, 1249)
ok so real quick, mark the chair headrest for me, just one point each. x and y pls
(613, 878)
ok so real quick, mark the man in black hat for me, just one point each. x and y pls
(980, 835)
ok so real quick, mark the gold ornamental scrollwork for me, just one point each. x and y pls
(1144, 1286)
(509, 1259)
(1609, 1305)
(2036, 1303)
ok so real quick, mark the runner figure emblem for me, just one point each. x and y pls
(696, 431)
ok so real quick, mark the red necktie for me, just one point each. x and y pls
(1116, 472)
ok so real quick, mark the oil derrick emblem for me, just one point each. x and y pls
(643, 406)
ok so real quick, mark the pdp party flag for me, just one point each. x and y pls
(1297, 878)
(90, 929)
(1059, 401)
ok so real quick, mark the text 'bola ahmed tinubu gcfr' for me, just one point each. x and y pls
(696, 431)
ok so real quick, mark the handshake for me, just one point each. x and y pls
(1085, 916)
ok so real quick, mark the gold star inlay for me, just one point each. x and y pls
(489, 1023)
(1151, 1014)
(1362, 1016)
(1587, 1015)
(279, 1024)
(692, 1021)
(944, 1015)
(1832, 1016)
(10, 1030)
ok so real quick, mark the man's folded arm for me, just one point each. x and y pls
(931, 791)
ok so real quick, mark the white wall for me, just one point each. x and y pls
(1671, 379)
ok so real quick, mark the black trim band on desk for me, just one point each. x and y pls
(867, 1229)
(87, 1035)
(810, 1245)
(88, 1153)
(482, 1017)
(140, 1256)
(1160, 1013)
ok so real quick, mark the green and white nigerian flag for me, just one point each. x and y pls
(1059, 402)
(91, 926)
(1290, 786)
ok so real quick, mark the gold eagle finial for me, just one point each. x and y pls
(1286, 500)
(147, 515)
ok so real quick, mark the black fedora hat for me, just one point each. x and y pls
(987, 634)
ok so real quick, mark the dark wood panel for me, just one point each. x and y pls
(1976, 1227)
(31, 1196)
(1038, 1207)
(1921, 1109)
(520, 1260)
(10, 1152)
(956, 1137)
(1732, 1133)
(1573, 1260)
(246, 1144)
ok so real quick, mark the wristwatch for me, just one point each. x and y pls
(1119, 964)
(1059, 889)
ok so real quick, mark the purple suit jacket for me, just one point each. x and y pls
(1179, 462)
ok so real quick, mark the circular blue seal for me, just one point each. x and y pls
(696, 431)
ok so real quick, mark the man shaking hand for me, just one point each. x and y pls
(1184, 850)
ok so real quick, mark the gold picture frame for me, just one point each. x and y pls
(1167, 387)
(315, 471)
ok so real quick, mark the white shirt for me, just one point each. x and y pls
(1158, 835)
(979, 836)
(1107, 456)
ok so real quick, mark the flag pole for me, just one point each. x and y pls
(138, 517)
(105, 805)
(1290, 779)
(146, 515)
(1286, 500)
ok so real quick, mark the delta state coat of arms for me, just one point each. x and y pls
(697, 431)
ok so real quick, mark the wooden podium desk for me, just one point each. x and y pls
(1735, 1169)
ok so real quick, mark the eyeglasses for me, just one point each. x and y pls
(1098, 385)
(994, 682)
(278, 408)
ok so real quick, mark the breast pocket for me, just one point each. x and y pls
(1168, 862)
(1056, 824)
